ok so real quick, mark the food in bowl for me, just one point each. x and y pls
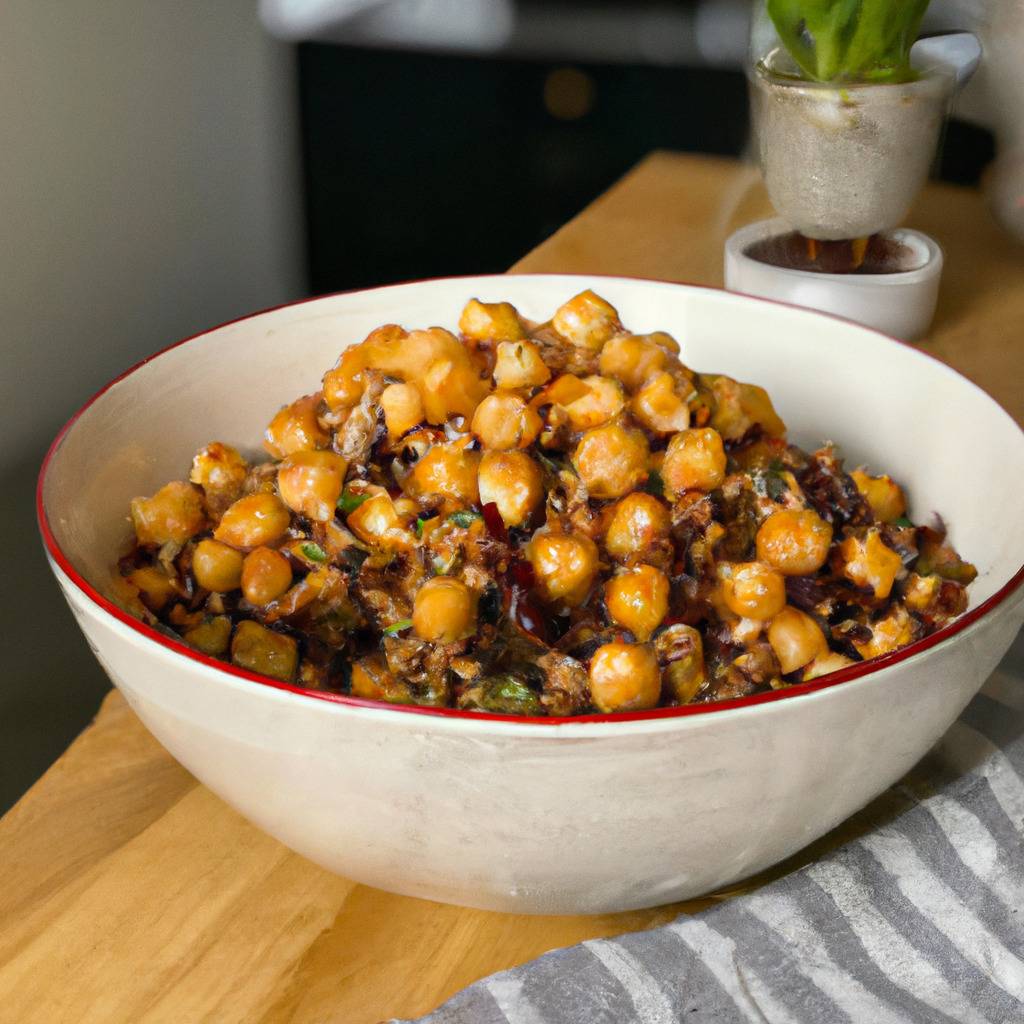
(536, 519)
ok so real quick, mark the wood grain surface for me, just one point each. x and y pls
(131, 893)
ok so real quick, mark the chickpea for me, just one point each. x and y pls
(216, 566)
(883, 494)
(266, 575)
(658, 406)
(603, 401)
(444, 610)
(796, 639)
(920, 592)
(373, 680)
(894, 630)
(221, 472)
(562, 391)
(503, 421)
(403, 408)
(451, 387)
(173, 515)
(252, 521)
(491, 321)
(826, 664)
(738, 407)
(376, 521)
(155, 587)
(694, 461)
(753, 590)
(447, 469)
(296, 429)
(624, 677)
(794, 541)
(869, 562)
(631, 358)
(685, 674)
(262, 650)
(667, 342)
(637, 523)
(514, 482)
(310, 483)
(637, 600)
(565, 565)
(587, 321)
(343, 385)
(212, 637)
(611, 460)
(519, 365)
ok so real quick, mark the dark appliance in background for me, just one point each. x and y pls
(422, 165)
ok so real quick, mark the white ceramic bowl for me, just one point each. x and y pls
(548, 816)
(902, 304)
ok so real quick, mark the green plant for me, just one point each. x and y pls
(849, 40)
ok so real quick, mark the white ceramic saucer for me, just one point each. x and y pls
(901, 304)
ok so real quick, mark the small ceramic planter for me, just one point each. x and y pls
(845, 161)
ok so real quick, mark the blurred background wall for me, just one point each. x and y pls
(149, 187)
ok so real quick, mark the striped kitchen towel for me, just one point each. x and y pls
(919, 921)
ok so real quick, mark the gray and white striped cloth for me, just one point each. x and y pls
(921, 920)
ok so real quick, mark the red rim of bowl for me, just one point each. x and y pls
(856, 671)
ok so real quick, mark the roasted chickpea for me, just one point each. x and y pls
(519, 365)
(252, 521)
(514, 482)
(155, 587)
(631, 358)
(738, 407)
(869, 562)
(752, 590)
(266, 575)
(310, 483)
(920, 592)
(565, 565)
(637, 600)
(694, 461)
(491, 321)
(343, 385)
(659, 407)
(216, 566)
(376, 521)
(796, 639)
(503, 421)
(603, 401)
(173, 515)
(794, 541)
(883, 494)
(587, 321)
(451, 388)
(894, 630)
(637, 523)
(611, 460)
(563, 390)
(262, 650)
(624, 677)
(212, 636)
(684, 675)
(447, 469)
(403, 408)
(296, 429)
(373, 680)
(444, 610)
(220, 471)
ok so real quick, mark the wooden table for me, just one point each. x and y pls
(131, 893)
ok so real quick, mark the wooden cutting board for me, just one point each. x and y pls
(130, 893)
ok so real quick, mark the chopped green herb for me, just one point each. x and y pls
(902, 521)
(420, 523)
(349, 502)
(655, 485)
(464, 517)
(313, 552)
(397, 627)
